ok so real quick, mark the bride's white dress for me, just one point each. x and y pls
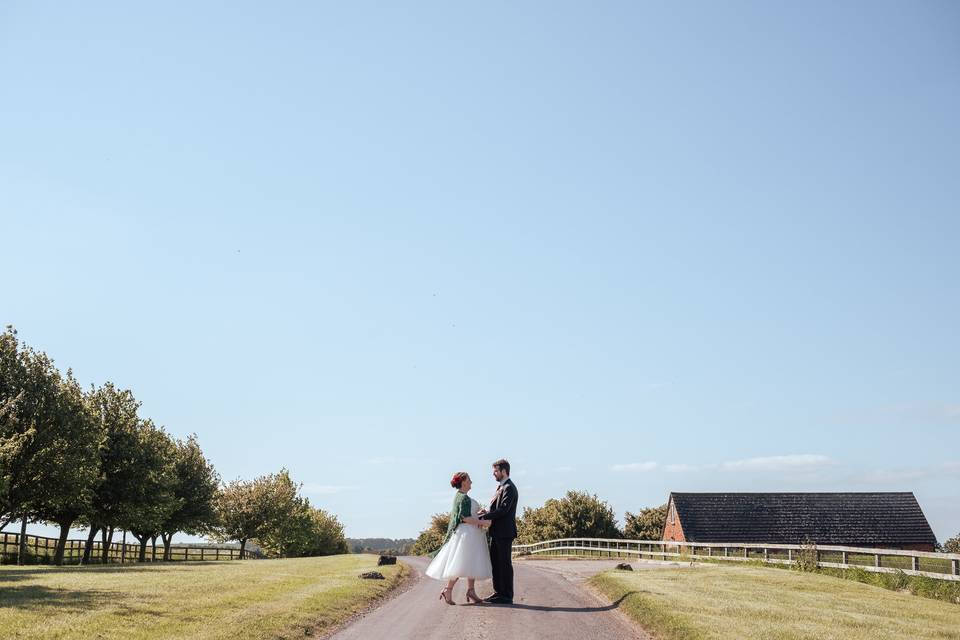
(465, 555)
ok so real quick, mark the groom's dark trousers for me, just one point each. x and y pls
(503, 531)
(501, 551)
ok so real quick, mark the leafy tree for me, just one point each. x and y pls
(194, 488)
(150, 497)
(647, 524)
(431, 538)
(47, 442)
(309, 531)
(576, 515)
(65, 489)
(327, 535)
(116, 490)
(28, 388)
(952, 545)
(287, 522)
(247, 510)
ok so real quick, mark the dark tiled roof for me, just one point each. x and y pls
(864, 519)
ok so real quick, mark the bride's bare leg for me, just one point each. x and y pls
(447, 593)
(471, 594)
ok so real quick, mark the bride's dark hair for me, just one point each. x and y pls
(457, 480)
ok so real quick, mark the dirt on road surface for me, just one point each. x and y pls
(551, 602)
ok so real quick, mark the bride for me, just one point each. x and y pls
(464, 553)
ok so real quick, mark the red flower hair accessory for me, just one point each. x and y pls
(458, 479)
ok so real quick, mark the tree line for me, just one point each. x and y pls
(71, 457)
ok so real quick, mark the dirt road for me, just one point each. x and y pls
(550, 603)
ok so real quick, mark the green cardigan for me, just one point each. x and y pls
(460, 510)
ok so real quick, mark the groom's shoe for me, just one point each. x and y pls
(492, 598)
(500, 600)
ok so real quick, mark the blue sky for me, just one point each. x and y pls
(633, 248)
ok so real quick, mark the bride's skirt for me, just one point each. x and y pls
(466, 555)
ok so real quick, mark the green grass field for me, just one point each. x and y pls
(718, 602)
(210, 600)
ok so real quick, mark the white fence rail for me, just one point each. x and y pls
(944, 566)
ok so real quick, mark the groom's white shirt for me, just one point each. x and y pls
(496, 493)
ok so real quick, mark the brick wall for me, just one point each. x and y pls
(673, 530)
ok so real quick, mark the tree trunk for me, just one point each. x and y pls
(243, 546)
(123, 548)
(106, 538)
(62, 542)
(88, 547)
(166, 537)
(22, 551)
(143, 539)
(153, 557)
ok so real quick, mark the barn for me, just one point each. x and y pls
(879, 520)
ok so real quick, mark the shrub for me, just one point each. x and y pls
(806, 557)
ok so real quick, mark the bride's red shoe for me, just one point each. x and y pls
(473, 597)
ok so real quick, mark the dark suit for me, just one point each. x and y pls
(503, 531)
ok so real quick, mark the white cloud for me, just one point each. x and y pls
(905, 475)
(681, 468)
(327, 489)
(635, 466)
(798, 462)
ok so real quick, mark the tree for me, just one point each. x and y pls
(327, 537)
(194, 491)
(576, 515)
(47, 442)
(308, 532)
(647, 524)
(952, 545)
(150, 497)
(287, 521)
(431, 538)
(247, 510)
(65, 489)
(116, 489)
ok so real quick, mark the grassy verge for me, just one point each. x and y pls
(203, 601)
(743, 602)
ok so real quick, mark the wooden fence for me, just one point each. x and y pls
(42, 549)
(945, 566)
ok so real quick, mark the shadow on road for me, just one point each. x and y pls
(536, 607)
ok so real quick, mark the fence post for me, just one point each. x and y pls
(843, 557)
(746, 553)
(876, 559)
(955, 565)
(766, 554)
(789, 555)
(726, 552)
(915, 563)
(710, 552)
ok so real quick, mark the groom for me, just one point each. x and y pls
(503, 531)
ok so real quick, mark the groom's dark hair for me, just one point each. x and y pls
(502, 465)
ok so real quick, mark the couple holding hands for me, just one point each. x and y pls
(466, 551)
